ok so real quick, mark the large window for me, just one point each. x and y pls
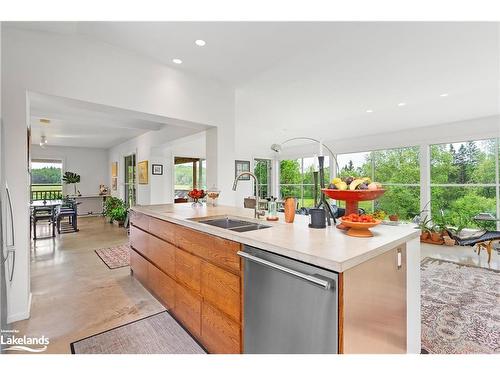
(262, 169)
(464, 180)
(297, 179)
(398, 170)
(46, 179)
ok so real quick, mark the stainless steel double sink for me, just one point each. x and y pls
(231, 223)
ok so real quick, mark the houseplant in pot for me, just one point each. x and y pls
(110, 204)
(118, 215)
(71, 178)
(436, 233)
(424, 226)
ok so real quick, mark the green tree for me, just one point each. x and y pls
(290, 174)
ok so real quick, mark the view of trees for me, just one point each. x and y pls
(46, 175)
(184, 176)
(452, 167)
(262, 168)
(468, 163)
(297, 180)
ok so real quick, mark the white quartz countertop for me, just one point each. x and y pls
(329, 248)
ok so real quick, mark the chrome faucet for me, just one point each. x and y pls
(257, 213)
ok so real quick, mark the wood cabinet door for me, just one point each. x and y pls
(187, 269)
(188, 309)
(162, 286)
(193, 241)
(223, 253)
(139, 266)
(162, 254)
(220, 334)
(163, 229)
(222, 289)
(140, 220)
(139, 240)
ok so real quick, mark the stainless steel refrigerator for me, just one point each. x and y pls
(7, 236)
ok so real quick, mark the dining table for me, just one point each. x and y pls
(49, 203)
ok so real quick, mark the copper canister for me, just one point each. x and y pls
(290, 204)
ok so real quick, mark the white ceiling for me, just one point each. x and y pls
(75, 123)
(235, 51)
(292, 76)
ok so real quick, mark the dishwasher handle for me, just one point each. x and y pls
(326, 284)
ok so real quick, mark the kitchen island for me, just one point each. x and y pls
(194, 269)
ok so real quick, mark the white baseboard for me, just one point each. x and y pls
(21, 315)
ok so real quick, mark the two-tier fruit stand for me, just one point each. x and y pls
(352, 198)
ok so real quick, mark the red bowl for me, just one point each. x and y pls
(357, 229)
(353, 195)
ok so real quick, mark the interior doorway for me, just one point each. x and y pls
(189, 174)
(129, 182)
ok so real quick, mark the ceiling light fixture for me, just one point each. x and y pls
(43, 141)
(177, 61)
(444, 95)
(369, 111)
(44, 121)
(200, 42)
(402, 104)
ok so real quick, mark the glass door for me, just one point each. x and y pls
(190, 173)
(130, 188)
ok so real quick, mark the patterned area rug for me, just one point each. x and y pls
(156, 334)
(460, 308)
(115, 257)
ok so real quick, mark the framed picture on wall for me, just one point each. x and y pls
(241, 166)
(143, 172)
(114, 169)
(114, 183)
(157, 169)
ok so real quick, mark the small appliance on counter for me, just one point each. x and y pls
(317, 218)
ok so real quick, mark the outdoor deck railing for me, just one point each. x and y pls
(39, 194)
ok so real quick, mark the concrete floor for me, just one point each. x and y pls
(75, 295)
(461, 254)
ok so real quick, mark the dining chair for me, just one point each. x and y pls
(44, 214)
(69, 210)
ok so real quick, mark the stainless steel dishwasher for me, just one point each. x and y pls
(290, 306)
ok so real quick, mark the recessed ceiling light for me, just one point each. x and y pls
(369, 111)
(444, 95)
(200, 42)
(45, 121)
(177, 61)
(402, 104)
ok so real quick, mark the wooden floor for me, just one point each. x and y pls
(75, 295)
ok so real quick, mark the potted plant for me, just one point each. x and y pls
(71, 178)
(458, 223)
(436, 233)
(110, 204)
(118, 215)
(424, 226)
(441, 223)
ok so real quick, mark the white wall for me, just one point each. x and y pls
(78, 68)
(160, 187)
(90, 163)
